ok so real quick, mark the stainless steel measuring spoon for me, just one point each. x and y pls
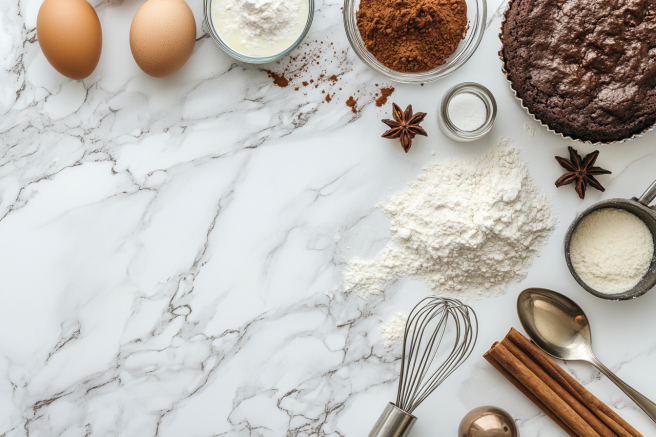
(559, 327)
(639, 207)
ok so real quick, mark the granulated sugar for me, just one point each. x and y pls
(611, 250)
(530, 130)
(468, 227)
(392, 332)
(467, 111)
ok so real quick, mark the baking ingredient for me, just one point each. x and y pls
(466, 226)
(162, 36)
(259, 28)
(70, 36)
(467, 111)
(279, 80)
(412, 35)
(530, 131)
(310, 65)
(384, 94)
(316, 70)
(611, 250)
(404, 126)
(352, 103)
(554, 391)
(581, 171)
(392, 332)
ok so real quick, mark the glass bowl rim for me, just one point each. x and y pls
(355, 40)
(214, 34)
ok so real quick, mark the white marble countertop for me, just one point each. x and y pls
(172, 250)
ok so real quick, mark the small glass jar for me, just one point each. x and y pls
(450, 129)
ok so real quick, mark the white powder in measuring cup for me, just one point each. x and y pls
(467, 111)
(611, 250)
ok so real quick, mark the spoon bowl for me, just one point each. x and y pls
(559, 327)
(555, 323)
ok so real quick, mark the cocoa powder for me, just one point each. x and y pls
(317, 81)
(412, 35)
(352, 103)
(279, 80)
(385, 93)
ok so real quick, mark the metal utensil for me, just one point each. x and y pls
(488, 421)
(421, 373)
(639, 207)
(559, 327)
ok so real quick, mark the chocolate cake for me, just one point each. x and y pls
(585, 68)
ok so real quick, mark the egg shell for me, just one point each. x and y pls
(70, 36)
(162, 36)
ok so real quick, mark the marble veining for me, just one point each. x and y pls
(172, 250)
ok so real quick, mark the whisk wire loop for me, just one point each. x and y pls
(421, 367)
(424, 333)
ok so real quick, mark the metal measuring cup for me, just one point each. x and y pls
(640, 208)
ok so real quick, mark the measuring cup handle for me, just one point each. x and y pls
(648, 195)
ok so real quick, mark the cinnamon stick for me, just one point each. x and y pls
(601, 410)
(528, 394)
(574, 403)
(529, 380)
(554, 391)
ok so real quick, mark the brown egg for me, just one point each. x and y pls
(162, 36)
(70, 36)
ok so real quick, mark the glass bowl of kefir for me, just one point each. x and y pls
(258, 31)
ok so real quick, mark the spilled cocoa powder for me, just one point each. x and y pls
(412, 35)
(385, 93)
(351, 103)
(279, 80)
(307, 70)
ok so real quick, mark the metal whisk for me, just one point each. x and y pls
(421, 373)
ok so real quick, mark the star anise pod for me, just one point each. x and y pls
(405, 125)
(581, 171)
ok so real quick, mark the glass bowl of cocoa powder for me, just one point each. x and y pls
(414, 41)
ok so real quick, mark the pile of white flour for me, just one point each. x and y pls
(466, 226)
(392, 332)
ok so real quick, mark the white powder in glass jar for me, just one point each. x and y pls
(611, 250)
(259, 27)
(467, 111)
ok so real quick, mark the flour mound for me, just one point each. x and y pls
(393, 331)
(468, 227)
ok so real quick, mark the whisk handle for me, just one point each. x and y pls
(394, 422)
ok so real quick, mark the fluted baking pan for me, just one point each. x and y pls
(533, 116)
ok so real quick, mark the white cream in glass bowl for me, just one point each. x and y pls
(260, 29)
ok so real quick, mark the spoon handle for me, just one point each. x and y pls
(647, 406)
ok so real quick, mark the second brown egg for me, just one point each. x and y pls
(162, 36)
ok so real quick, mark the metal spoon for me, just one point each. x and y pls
(559, 327)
